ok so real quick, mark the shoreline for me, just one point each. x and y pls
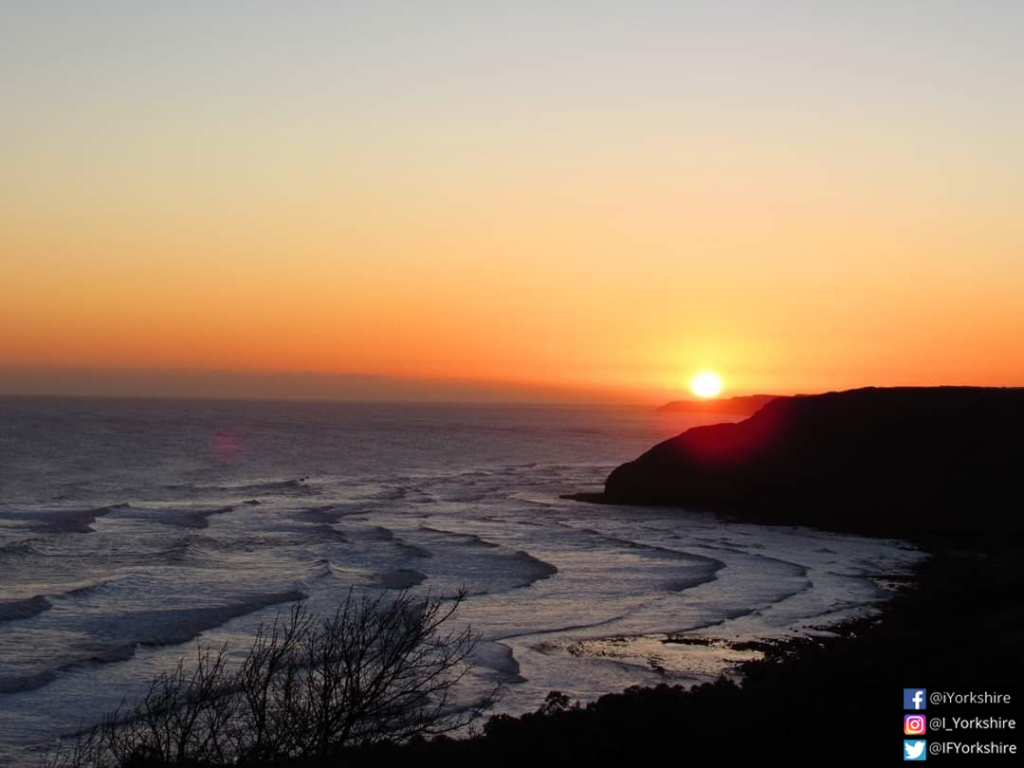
(871, 528)
(956, 624)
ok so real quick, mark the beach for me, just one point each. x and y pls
(131, 529)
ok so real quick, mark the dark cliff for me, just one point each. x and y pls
(910, 457)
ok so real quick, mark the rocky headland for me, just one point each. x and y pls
(905, 459)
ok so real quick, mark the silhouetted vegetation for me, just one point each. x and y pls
(380, 668)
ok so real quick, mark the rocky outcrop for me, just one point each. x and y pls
(910, 457)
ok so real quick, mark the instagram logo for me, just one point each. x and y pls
(914, 725)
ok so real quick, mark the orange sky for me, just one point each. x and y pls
(601, 209)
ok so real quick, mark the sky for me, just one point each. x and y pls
(556, 200)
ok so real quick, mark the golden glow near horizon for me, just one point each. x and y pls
(706, 384)
(598, 198)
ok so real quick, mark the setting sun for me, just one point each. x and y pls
(706, 384)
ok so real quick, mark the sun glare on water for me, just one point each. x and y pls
(706, 384)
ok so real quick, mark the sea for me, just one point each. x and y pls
(130, 529)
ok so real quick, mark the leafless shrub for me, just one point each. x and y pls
(382, 668)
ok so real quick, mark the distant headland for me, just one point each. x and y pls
(744, 405)
(905, 458)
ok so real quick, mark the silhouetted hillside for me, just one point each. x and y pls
(737, 406)
(909, 458)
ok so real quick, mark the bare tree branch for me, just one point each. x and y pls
(380, 668)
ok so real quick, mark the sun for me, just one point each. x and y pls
(706, 384)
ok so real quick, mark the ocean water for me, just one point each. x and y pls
(131, 528)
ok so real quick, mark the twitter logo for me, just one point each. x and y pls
(914, 750)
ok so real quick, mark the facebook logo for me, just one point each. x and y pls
(914, 698)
